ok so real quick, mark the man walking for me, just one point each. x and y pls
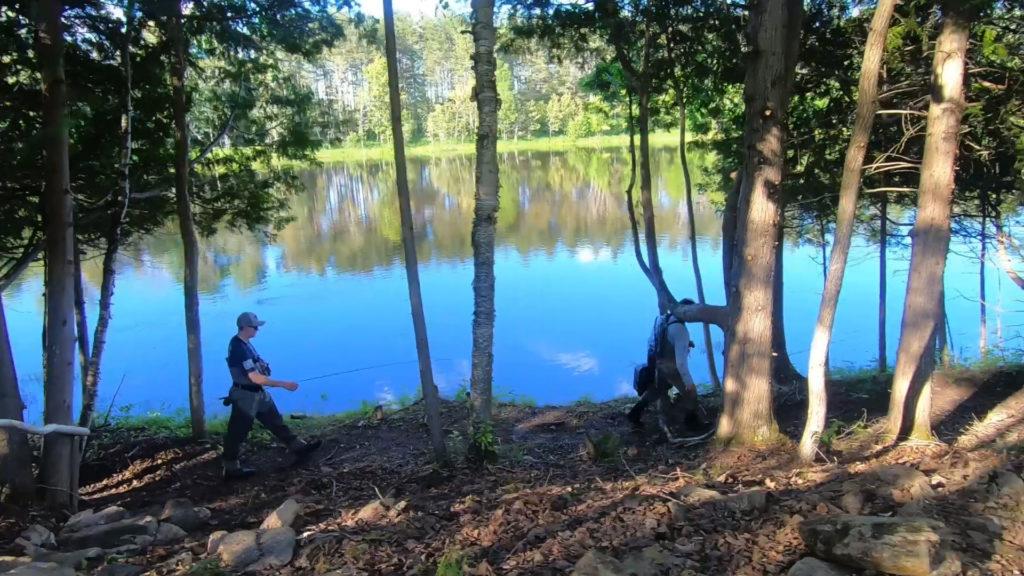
(249, 400)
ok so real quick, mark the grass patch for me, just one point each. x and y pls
(385, 152)
(452, 563)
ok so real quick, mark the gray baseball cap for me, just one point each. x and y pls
(249, 320)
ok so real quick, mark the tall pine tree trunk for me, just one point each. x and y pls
(908, 411)
(849, 189)
(747, 415)
(189, 238)
(81, 318)
(982, 261)
(15, 455)
(59, 458)
(118, 211)
(708, 347)
(485, 214)
(783, 371)
(883, 293)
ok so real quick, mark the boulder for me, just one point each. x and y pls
(39, 536)
(1007, 484)
(213, 543)
(595, 563)
(696, 495)
(902, 546)
(87, 518)
(181, 513)
(901, 483)
(748, 501)
(73, 559)
(814, 567)
(168, 533)
(238, 549)
(276, 546)
(41, 569)
(8, 563)
(109, 535)
(281, 517)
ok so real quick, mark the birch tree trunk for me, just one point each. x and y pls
(849, 190)
(189, 238)
(747, 415)
(431, 399)
(59, 463)
(910, 401)
(485, 214)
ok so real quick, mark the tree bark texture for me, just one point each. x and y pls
(982, 262)
(692, 228)
(783, 371)
(118, 211)
(849, 190)
(630, 204)
(81, 317)
(883, 292)
(665, 297)
(189, 237)
(15, 454)
(58, 211)
(747, 416)
(915, 357)
(430, 395)
(485, 214)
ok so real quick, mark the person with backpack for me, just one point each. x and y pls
(249, 400)
(667, 368)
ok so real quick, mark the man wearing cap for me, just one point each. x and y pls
(249, 400)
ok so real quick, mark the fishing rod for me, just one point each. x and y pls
(365, 368)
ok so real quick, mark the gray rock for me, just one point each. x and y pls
(1007, 484)
(852, 501)
(238, 549)
(696, 495)
(748, 501)
(168, 533)
(371, 512)
(120, 570)
(814, 567)
(41, 569)
(901, 483)
(595, 563)
(39, 536)
(282, 517)
(8, 563)
(144, 541)
(903, 546)
(70, 559)
(177, 564)
(88, 518)
(181, 513)
(214, 541)
(109, 535)
(277, 546)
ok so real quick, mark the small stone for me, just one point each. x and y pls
(8, 563)
(120, 570)
(852, 501)
(213, 543)
(595, 563)
(181, 513)
(902, 483)
(168, 533)
(88, 518)
(814, 567)
(371, 512)
(282, 517)
(109, 535)
(697, 495)
(748, 501)
(238, 549)
(70, 559)
(144, 541)
(41, 569)
(39, 536)
(1007, 484)
(276, 546)
(903, 546)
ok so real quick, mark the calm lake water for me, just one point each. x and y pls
(573, 309)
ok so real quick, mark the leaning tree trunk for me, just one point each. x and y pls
(708, 347)
(883, 292)
(189, 238)
(59, 463)
(849, 188)
(15, 454)
(747, 416)
(665, 297)
(431, 400)
(118, 212)
(485, 213)
(81, 318)
(908, 414)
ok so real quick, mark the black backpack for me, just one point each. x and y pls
(643, 376)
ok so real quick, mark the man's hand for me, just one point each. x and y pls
(289, 386)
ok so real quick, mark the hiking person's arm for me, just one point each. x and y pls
(265, 381)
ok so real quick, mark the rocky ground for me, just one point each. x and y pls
(575, 490)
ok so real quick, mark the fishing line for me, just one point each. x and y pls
(365, 368)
